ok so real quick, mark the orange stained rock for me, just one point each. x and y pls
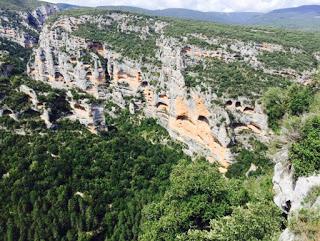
(133, 81)
(181, 107)
(201, 108)
(255, 129)
(148, 95)
(186, 124)
(163, 97)
(162, 107)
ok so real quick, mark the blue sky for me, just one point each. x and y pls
(203, 5)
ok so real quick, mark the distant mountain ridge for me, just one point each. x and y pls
(306, 17)
(301, 9)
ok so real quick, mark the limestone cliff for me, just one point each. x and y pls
(23, 27)
(192, 116)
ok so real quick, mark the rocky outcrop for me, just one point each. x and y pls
(66, 61)
(290, 193)
(23, 27)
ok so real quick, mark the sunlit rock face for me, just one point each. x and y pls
(69, 62)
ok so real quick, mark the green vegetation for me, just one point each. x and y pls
(17, 56)
(73, 185)
(245, 158)
(307, 41)
(288, 60)
(231, 79)
(305, 154)
(19, 4)
(202, 205)
(19, 103)
(305, 223)
(294, 100)
(296, 108)
(133, 182)
(202, 43)
(312, 196)
(127, 43)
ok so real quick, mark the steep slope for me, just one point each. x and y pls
(20, 24)
(168, 71)
(208, 85)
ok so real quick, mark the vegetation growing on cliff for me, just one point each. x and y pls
(16, 56)
(133, 182)
(292, 101)
(231, 79)
(305, 154)
(128, 43)
(307, 41)
(287, 60)
(305, 223)
(19, 4)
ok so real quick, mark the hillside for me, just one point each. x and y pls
(303, 17)
(123, 126)
(20, 4)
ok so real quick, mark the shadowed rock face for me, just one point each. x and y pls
(26, 25)
(189, 117)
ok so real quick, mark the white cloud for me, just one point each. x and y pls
(203, 5)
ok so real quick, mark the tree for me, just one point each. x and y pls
(197, 194)
(275, 104)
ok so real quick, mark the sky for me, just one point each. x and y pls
(202, 5)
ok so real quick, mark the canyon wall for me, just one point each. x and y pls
(191, 116)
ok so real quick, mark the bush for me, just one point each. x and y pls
(299, 99)
(305, 224)
(305, 154)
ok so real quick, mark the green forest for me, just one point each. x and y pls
(132, 181)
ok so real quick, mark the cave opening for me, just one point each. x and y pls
(229, 103)
(203, 119)
(160, 104)
(58, 76)
(144, 84)
(7, 112)
(248, 109)
(238, 104)
(182, 117)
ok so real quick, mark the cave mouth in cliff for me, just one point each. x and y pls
(160, 104)
(163, 96)
(203, 119)
(88, 75)
(182, 118)
(78, 106)
(186, 49)
(229, 103)
(7, 112)
(238, 104)
(144, 84)
(248, 109)
(58, 76)
(237, 125)
(96, 46)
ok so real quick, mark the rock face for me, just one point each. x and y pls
(22, 27)
(290, 193)
(66, 61)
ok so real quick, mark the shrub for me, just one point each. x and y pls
(305, 154)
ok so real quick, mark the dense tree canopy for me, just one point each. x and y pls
(73, 185)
